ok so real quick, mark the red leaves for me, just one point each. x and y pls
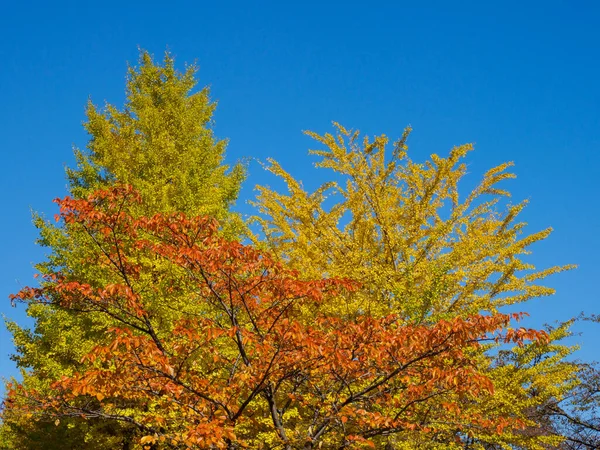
(239, 340)
(525, 334)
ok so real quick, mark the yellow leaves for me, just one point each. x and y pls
(160, 142)
(419, 249)
(396, 224)
(398, 350)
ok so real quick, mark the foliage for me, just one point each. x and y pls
(367, 314)
(161, 143)
(424, 252)
(241, 367)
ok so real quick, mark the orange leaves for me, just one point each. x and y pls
(112, 198)
(525, 334)
(245, 338)
(148, 440)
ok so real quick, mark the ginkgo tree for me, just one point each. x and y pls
(241, 367)
(162, 143)
(426, 252)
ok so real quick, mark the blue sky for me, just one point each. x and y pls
(520, 81)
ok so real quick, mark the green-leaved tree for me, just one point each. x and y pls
(161, 143)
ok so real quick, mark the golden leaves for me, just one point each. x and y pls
(421, 250)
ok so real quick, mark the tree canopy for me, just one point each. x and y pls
(426, 252)
(249, 370)
(369, 313)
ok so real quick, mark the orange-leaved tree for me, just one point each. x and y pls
(243, 367)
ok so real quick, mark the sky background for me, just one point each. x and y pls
(518, 79)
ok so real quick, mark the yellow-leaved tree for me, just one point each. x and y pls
(162, 144)
(426, 252)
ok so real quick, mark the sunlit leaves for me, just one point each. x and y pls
(426, 251)
(162, 143)
(250, 368)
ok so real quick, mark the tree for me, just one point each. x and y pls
(155, 327)
(161, 143)
(424, 253)
(242, 367)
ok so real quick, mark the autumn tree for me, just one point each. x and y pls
(374, 322)
(425, 253)
(240, 366)
(162, 143)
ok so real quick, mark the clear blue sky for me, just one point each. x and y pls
(521, 82)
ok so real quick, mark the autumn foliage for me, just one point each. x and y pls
(365, 313)
(252, 357)
(426, 249)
